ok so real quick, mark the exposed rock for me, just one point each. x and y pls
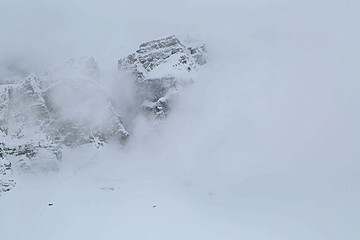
(80, 107)
(4, 109)
(160, 68)
(5, 165)
(35, 122)
(28, 134)
(6, 185)
(74, 134)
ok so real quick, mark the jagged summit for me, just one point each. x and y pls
(169, 54)
(160, 68)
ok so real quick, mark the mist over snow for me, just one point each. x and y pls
(264, 144)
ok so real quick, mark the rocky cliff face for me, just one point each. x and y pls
(28, 133)
(6, 183)
(67, 106)
(81, 109)
(29, 140)
(35, 124)
(160, 68)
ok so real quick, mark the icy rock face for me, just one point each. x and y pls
(29, 141)
(27, 132)
(161, 67)
(6, 185)
(80, 107)
(4, 109)
(74, 133)
(39, 115)
(5, 165)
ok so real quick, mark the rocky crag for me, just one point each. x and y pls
(28, 134)
(40, 115)
(160, 68)
(74, 95)
(34, 128)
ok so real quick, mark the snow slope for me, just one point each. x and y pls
(98, 195)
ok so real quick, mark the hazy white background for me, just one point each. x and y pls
(265, 143)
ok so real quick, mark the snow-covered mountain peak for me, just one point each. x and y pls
(161, 67)
(162, 57)
(69, 106)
